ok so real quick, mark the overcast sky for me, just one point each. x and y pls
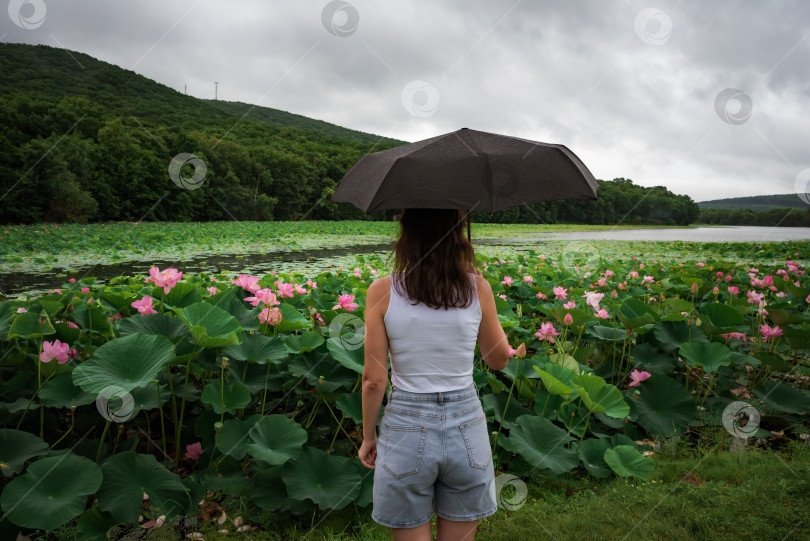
(709, 99)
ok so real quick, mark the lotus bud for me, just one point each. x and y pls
(568, 319)
(716, 290)
(520, 352)
(694, 288)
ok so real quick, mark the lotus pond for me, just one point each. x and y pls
(173, 396)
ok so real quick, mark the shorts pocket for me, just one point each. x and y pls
(403, 449)
(476, 439)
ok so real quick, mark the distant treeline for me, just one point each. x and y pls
(757, 202)
(94, 144)
(782, 217)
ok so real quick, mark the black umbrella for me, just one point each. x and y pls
(466, 169)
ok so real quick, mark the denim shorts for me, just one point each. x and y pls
(433, 457)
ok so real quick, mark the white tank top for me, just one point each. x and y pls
(432, 349)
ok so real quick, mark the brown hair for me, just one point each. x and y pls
(434, 257)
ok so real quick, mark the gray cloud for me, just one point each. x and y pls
(575, 73)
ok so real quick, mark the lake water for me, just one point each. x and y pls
(698, 234)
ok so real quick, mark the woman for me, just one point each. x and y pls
(433, 449)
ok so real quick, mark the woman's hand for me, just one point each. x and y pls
(474, 270)
(368, 453)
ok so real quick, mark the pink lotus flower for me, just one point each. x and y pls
(507, 281)
(284, 290)
(547, 332)
(569, 305)
(568, 319)
(74, 326)
(733, 290)
(144, 306)
(608, 273)
(166, 279)
(270, 316)
(503, 297)
(593, 299)
(212, 290)
(638, 377)
(542, 296)
(633, 274)
(602, 313)
(807, 300)
(54, 350)
(85, 290)
(265, 296)
(601, 282)
(754, 297)
(648, 279)
(527, 279)
(312, 285)
(716, 290)
(345, 302)
(694, 288)
(735, 335)
(560, 292)
(72, 280)
(729, 277)
(193, 451)
(770, 332)
(248, 283)
(512, 351)
(22, 310)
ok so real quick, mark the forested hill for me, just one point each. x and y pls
(756, 202)
(82, 140)
(276, 117)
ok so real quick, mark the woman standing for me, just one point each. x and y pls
(433, 454)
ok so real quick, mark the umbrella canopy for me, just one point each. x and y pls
(466, 169)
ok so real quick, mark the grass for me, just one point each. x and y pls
(697, 492)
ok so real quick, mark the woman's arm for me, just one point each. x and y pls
(375, 369)
(491, 339)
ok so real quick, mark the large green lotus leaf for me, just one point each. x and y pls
(633, 313)
(128, 475)
(146, 398)
(321, 371)
(721, 317)
(541, 443)
(671, 334)
(91, 318)
(607, 333)
(547, 404)
(741, 359)
(664, 406)
(232, 397)
(346, 354)
(181, 295)
(307, 341)
(351, 405)
(774, 360)
(783, 397)
(270, 493)
(592, 454)
(65, 333)
(52, 492)
(275, 439)
(127, 362)
(600, 396)
(495, 405)
(709, 356)
(556, 378)
(60, 392)
(574, 417)
(366, 484)
(651, 359)
(291, 319)
(233, 437)
(676, 306)
(26, 325)
(16, 447)
(626, 461)
(211, 326)
(258, 348)
(256, 376)
(331, 482)
(523, 368)
(94, 525)
(783, 317)
(161, 324)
